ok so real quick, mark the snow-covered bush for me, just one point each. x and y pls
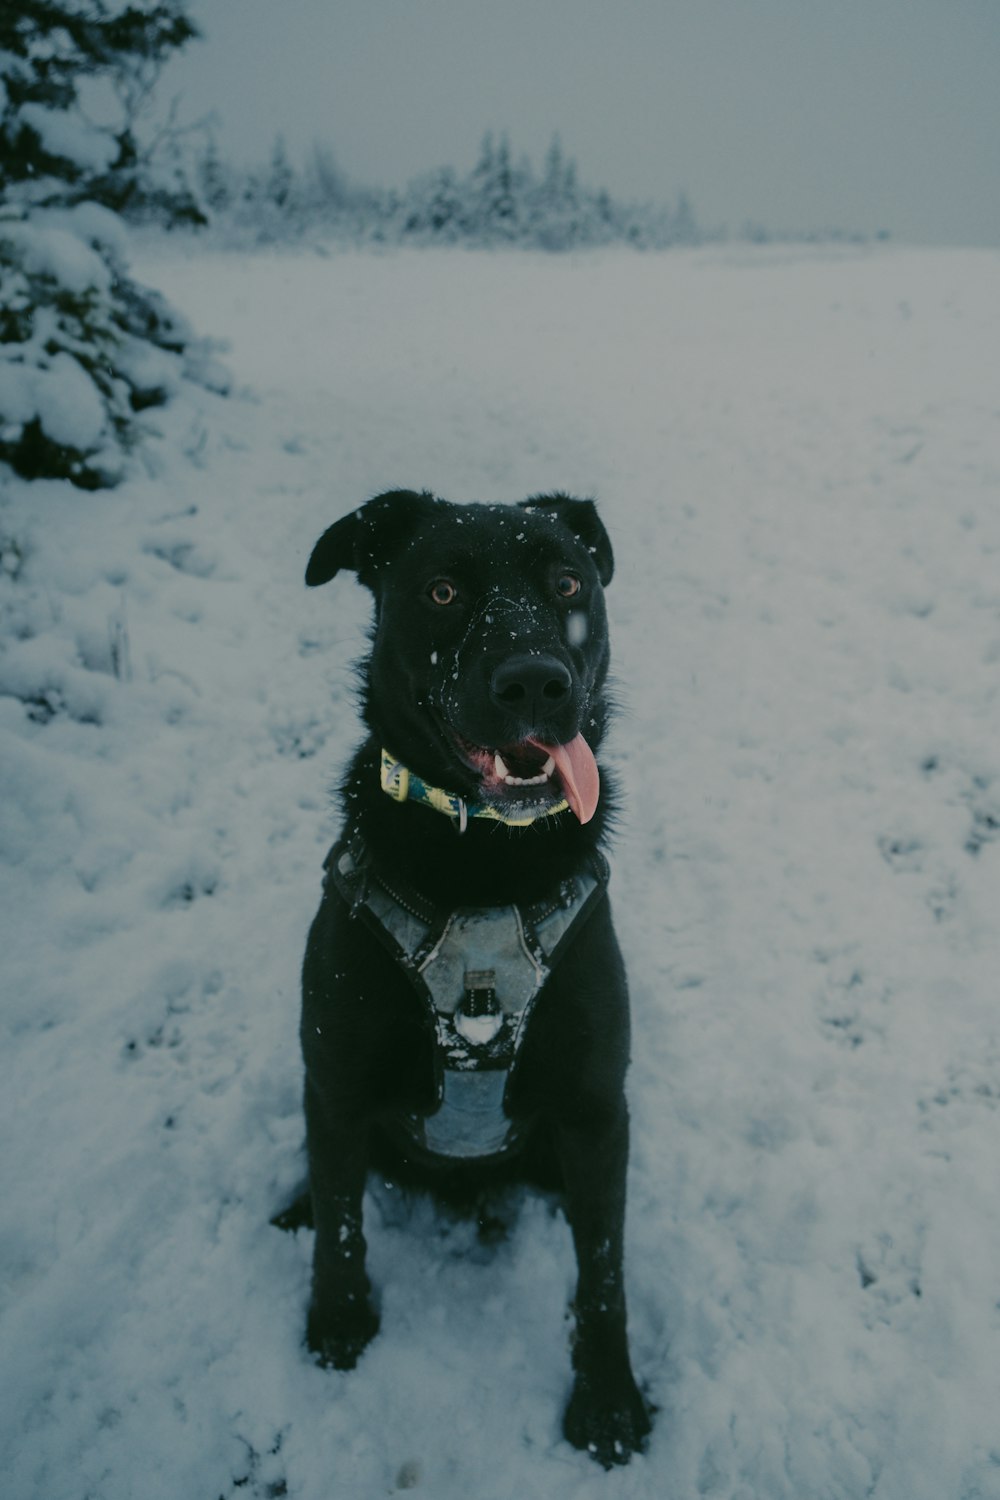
(83, 348)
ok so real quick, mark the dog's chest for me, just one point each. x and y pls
(476, 973)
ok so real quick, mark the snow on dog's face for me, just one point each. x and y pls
(490, 645)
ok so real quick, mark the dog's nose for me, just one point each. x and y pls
(532, 687)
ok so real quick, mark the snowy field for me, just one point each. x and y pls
(798, 456)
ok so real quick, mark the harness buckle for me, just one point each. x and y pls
(478, 1016)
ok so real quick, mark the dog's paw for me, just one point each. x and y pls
(339, 1339)
(609, 1423)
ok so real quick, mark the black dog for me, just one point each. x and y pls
(464, 999)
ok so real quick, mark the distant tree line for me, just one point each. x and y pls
(500, 201)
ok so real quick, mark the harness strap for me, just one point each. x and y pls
(477, 972)
(414, 925)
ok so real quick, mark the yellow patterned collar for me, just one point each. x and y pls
(403, 785)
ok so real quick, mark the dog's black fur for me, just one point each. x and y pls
(433, 683)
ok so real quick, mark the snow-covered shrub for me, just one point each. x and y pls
(83, 348)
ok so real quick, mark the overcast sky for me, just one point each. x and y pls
(859, 114)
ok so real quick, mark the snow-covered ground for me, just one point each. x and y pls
(798, 456)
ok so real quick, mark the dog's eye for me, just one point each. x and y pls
(567, 584)
(443, 592)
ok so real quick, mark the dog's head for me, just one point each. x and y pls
(490, 646)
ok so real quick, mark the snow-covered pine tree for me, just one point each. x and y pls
(685, 226)
(433, 207)
(555, 210)
(215, 178)
(554, 177)
(490, 209)
(270, 203)
(83, 348)
(325, 190)
(281, 175)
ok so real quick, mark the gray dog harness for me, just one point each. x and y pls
(477, 972)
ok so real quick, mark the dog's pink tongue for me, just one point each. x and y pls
(580, 777)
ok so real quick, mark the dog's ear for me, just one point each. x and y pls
(586, 525)
(365, 539)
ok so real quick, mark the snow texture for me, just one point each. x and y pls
(797, 454)
(46, 249)
(65, 134)
(59, 394)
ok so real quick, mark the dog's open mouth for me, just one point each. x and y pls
(533, 771)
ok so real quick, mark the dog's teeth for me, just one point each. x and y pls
(505, 774)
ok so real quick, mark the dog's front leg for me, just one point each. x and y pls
(342, 1320)
(607, 1414)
